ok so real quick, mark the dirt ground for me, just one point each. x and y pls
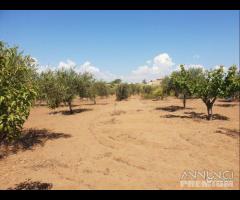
(133, 144)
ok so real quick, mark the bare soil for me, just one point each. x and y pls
(133, 144)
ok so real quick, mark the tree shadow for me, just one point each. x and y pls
(45, 105)
(172, 108)
(226, 105)
(225, 100)
(197, 116)
(67, 112)
(234, 133)
(30, 185)
(92, 104)
(29, 139)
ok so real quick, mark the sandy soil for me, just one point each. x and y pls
(134, 144)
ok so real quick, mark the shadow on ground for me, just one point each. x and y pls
(30, 185)
(226, 105)
(92, 104)
(28, 140)
(197, 116)
(45, 105)
(234, 133)
(67, 112)
(172, 108)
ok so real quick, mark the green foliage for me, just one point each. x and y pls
(85, 82)
(17, 90)
(101, 88)
(146, 89)
(98, 88)
(152, 92)
(58, 87)
(158, 93)
(165, 85)
(209, 86)
(50, 89)
(134, 89)
(232, 82)
(116, 81)
(180, 81)
(122, 91)
(67, 80)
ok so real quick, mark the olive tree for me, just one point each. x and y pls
(84, 85)
(50, 89)
(17, 90)
(122, 91)
(67, 79)
(98, 88)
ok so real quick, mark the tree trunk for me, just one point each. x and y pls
(184, 101)
(70, 107)
(209, 110)
(209, 103)
(94, 101)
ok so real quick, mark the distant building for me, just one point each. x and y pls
(155, 82)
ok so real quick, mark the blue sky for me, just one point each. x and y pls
(128, 44)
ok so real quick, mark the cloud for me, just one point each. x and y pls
(68, 64)
(88, 67)
(159, 66)
(96, 72)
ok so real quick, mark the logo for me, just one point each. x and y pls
(206, 178)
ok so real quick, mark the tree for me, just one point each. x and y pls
(232, 82)
(50, 89)
(116, 81)
(181, 84)
(134, 88)
(146, 91)
(85, 82)
(208, 86)
(102, 88)
(68, 82)
(122, 91)
(166, 86)
(98, 88)
(17, 90)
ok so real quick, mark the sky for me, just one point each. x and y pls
(131, 45)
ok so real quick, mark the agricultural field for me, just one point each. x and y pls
(131, 144)
(119, 100)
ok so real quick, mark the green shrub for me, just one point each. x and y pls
(122, 91)
(17, 91)
(158, 93)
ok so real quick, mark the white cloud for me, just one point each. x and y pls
(162, 61)
(96, 72)
(159, 66)
(88, 67)
(67, 65)
(142, 70)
